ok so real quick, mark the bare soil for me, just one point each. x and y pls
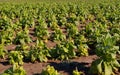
(64, 67)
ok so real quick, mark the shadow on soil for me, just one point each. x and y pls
(68, 67)
(4, 63)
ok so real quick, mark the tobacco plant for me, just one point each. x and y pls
(80, 42)
(64, 50)
(15, 57)
(76, 72)
(72, 30)
(39, 52)
(7, 36)
(50, 70)
(58, 35)
(106, 49)
(15, 70)
(2, 51)
(22, 37)
(41, 30)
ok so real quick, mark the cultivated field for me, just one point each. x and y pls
(59, 37)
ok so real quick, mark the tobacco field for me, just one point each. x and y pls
(57, 37)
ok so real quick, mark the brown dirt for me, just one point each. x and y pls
(64, 67)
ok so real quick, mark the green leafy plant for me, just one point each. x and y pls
(95, 30)
(106, 50)
(15, 57)
(15, 70)
(57, 35)
(61, 20)
(2, 51)
(39, 52)
(115, 31)
(72, 18)
(53, 22)
(41, 30)
(80, 42)
(7, 36)
(50, 70)
(5, 22)
(22, 47)
(76, 72)
(22, 37)
(54, 25)
(64, 50)
(72, 30)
